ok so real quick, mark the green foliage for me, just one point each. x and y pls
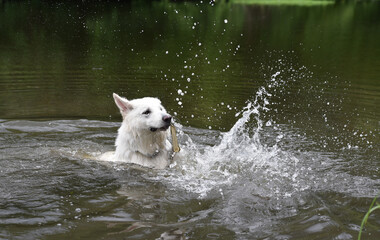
(285, 2)
(372, 208)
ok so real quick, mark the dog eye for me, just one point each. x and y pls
(147, 112)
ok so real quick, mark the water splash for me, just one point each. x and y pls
(243, 159)
(238, 154)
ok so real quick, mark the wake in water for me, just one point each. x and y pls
(241, 160)
(239, 154)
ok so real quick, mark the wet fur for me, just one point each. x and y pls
(142, 137)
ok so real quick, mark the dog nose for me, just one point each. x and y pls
(167, 118)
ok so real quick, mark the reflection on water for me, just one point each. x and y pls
(277, 108)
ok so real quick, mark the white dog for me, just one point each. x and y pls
(142, 137)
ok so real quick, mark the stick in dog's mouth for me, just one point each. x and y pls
(152, 129)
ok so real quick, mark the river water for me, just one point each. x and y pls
(276, 107)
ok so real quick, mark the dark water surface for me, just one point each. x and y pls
(277, 107)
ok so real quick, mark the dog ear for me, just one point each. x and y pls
(123, 104)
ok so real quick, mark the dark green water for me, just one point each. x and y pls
(301, 161)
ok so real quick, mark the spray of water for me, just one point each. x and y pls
(239, 155)
(242, 163)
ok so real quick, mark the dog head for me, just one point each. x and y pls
(143, 113)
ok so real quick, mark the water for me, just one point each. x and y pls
(276, 108)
